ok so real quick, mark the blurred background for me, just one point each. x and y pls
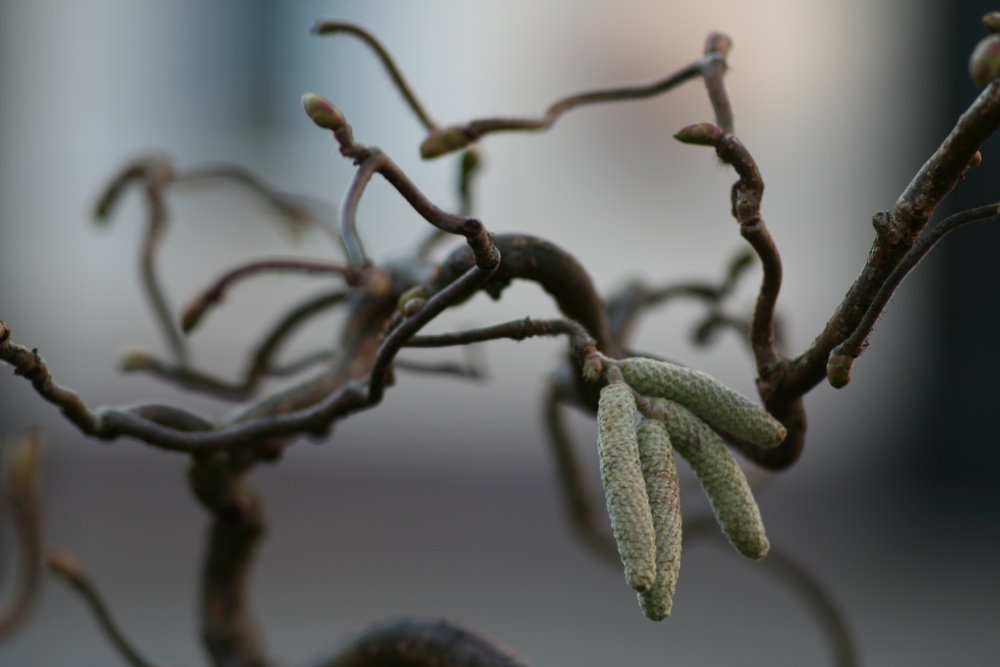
(443, 500)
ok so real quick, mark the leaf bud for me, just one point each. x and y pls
(323, 112)
(442, 141)
(700, 134)
(984, 64)
(991, 22)
(838, 370)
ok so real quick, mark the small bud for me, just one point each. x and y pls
(718, 42)
(415, 293)
(378, 282)
(137, 360)
(413, 306)
(192, 314)
(624, 487)
(984, 64)
(592, 369)
(977, 159)
(64, 563)
(991, 22)
(700, 134)
(4, 332)
(323, 112)
(838, 370)
(442, 141)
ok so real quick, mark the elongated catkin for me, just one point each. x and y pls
(624, 488)
(720, 475)
(706, 397)
(659, 470)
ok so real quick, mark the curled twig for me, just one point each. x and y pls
(20, 464)
(66, 565)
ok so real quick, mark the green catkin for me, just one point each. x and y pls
(624, 488)
(659, 470)
(720, 475)
(706, 397)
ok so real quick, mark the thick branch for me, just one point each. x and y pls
(420, 643)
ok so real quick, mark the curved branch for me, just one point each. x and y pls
(66, 565)
(329, 27)
(20, 464)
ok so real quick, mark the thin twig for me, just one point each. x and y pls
(854, 344)
(329, 27)
(20, 495)
(66, 565)
(198, 306)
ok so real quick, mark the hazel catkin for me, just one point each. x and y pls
(720, 475)
(659, 470)
(705, 396)
(624, 488)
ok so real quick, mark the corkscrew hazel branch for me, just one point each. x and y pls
(710, 67)
(843, 355)
(330, 27)
(261, 359)
(68, 568)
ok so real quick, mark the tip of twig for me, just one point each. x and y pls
(700, 134)
(984, 63)
(323, 112)
(193, 312)
(838, 370)
(64, 563)
(444, 140)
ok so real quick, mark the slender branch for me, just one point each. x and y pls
(844, 354)
(157, 172)
(469, 167)
(214, 294)
(20, 495)
(293, 208)
(261, 359)
(896, 231)
(329, 27)
(807, 587)
(348, 209)
(66, 565)
(455, 137)
(412, 642)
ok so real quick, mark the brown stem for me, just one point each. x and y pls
(65, 564)
(328, 27)
(228, 628)
(20, 495)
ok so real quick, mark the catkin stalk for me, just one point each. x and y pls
(659, 470)
(624, 488)
(720, 475)
(706, 397)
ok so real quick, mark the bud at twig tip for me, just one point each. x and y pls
(718, 42)
(323, 112)
(838, 370)
(442, 141)
(991, 21)
(984, 64)
(63, 562)
(700, 134)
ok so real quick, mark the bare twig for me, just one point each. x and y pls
(455, 137)
(851, 348)
(329, 27)
(66, 565)
(20, 464)
(198, 306)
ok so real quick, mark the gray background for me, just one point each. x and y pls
(442, 501)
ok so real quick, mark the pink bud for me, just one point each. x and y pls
(323, 112)
(984, 64)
